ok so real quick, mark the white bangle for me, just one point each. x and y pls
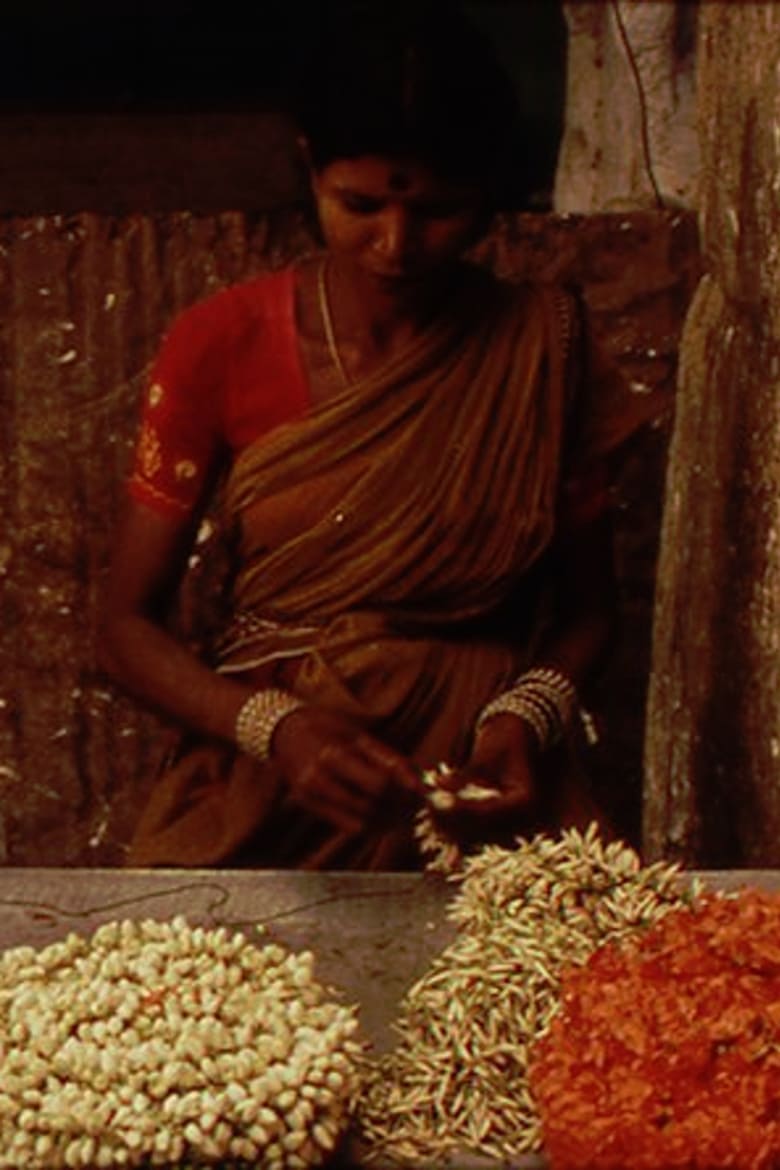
(514, 703)
(545, 698)
(258, 719)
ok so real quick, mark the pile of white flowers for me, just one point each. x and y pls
(158, 1043)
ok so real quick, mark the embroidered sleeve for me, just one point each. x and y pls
(179, 437)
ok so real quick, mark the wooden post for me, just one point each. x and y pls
(712, 752)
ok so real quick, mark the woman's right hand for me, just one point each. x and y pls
(339, 772)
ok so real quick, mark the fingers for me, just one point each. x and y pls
(484, 792)
(498, 818)
(350, 780)
(339, 786)
(394, 766)
(358, 772)
(515, 793)
(330, 806)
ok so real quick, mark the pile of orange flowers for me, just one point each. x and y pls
(665, 1054)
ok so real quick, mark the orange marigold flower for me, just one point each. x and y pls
(666, 1051)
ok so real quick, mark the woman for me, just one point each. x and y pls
(414, 488)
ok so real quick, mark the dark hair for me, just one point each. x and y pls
(410, 78)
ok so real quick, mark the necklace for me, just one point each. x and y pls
(327, 322)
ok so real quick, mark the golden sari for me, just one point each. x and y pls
(381, 542)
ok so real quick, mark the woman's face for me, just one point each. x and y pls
(394, 222)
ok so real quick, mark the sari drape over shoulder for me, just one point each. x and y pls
(376, 541)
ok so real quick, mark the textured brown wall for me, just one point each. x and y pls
(83, 301)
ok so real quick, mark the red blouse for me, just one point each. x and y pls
(228, 371)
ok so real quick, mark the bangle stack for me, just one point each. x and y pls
(545, 698)
(258, 719)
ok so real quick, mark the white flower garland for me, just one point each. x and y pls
(156, 1043)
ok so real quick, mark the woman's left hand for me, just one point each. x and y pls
(503, 759)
